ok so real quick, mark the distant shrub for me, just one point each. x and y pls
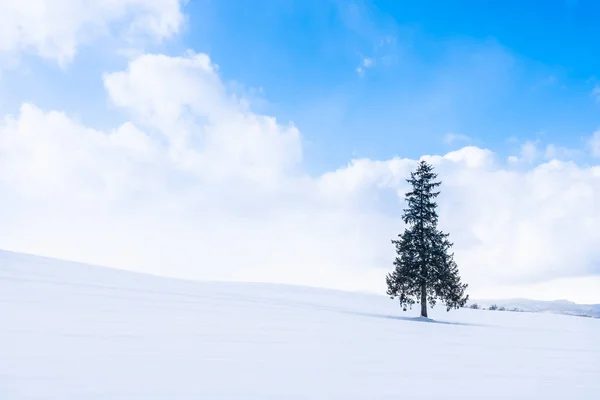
(475, 306)
(493, 307)
(502, 309)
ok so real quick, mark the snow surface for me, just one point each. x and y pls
(72, 331)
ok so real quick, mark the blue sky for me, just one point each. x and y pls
(139, 134)
(490, 71)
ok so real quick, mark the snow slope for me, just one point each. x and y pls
(72, 331)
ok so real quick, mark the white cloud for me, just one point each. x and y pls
(50, 154)
(208, 131)
(54, 29)
(594, 144)
(529, 153)
(197, 185)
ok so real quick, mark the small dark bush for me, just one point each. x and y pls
(502, 309)
(493, 307)
(474, 306)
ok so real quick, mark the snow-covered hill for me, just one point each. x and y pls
(72, 331)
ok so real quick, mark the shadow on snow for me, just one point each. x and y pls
(410, 319)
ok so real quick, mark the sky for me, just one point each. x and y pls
(270, 140)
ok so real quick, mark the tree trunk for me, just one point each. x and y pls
(423, 300)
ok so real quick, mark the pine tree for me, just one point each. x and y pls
(424, 268)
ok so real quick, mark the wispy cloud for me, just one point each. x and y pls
(533, 151)
(453, 138)
(385, 41)
(529, 152)
(555, 152)
(596, 93)
(594, 144)
(373, 37)
(366, 63)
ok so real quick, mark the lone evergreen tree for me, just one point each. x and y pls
(425, 270)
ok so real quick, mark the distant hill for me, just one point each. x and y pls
(555, 307)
